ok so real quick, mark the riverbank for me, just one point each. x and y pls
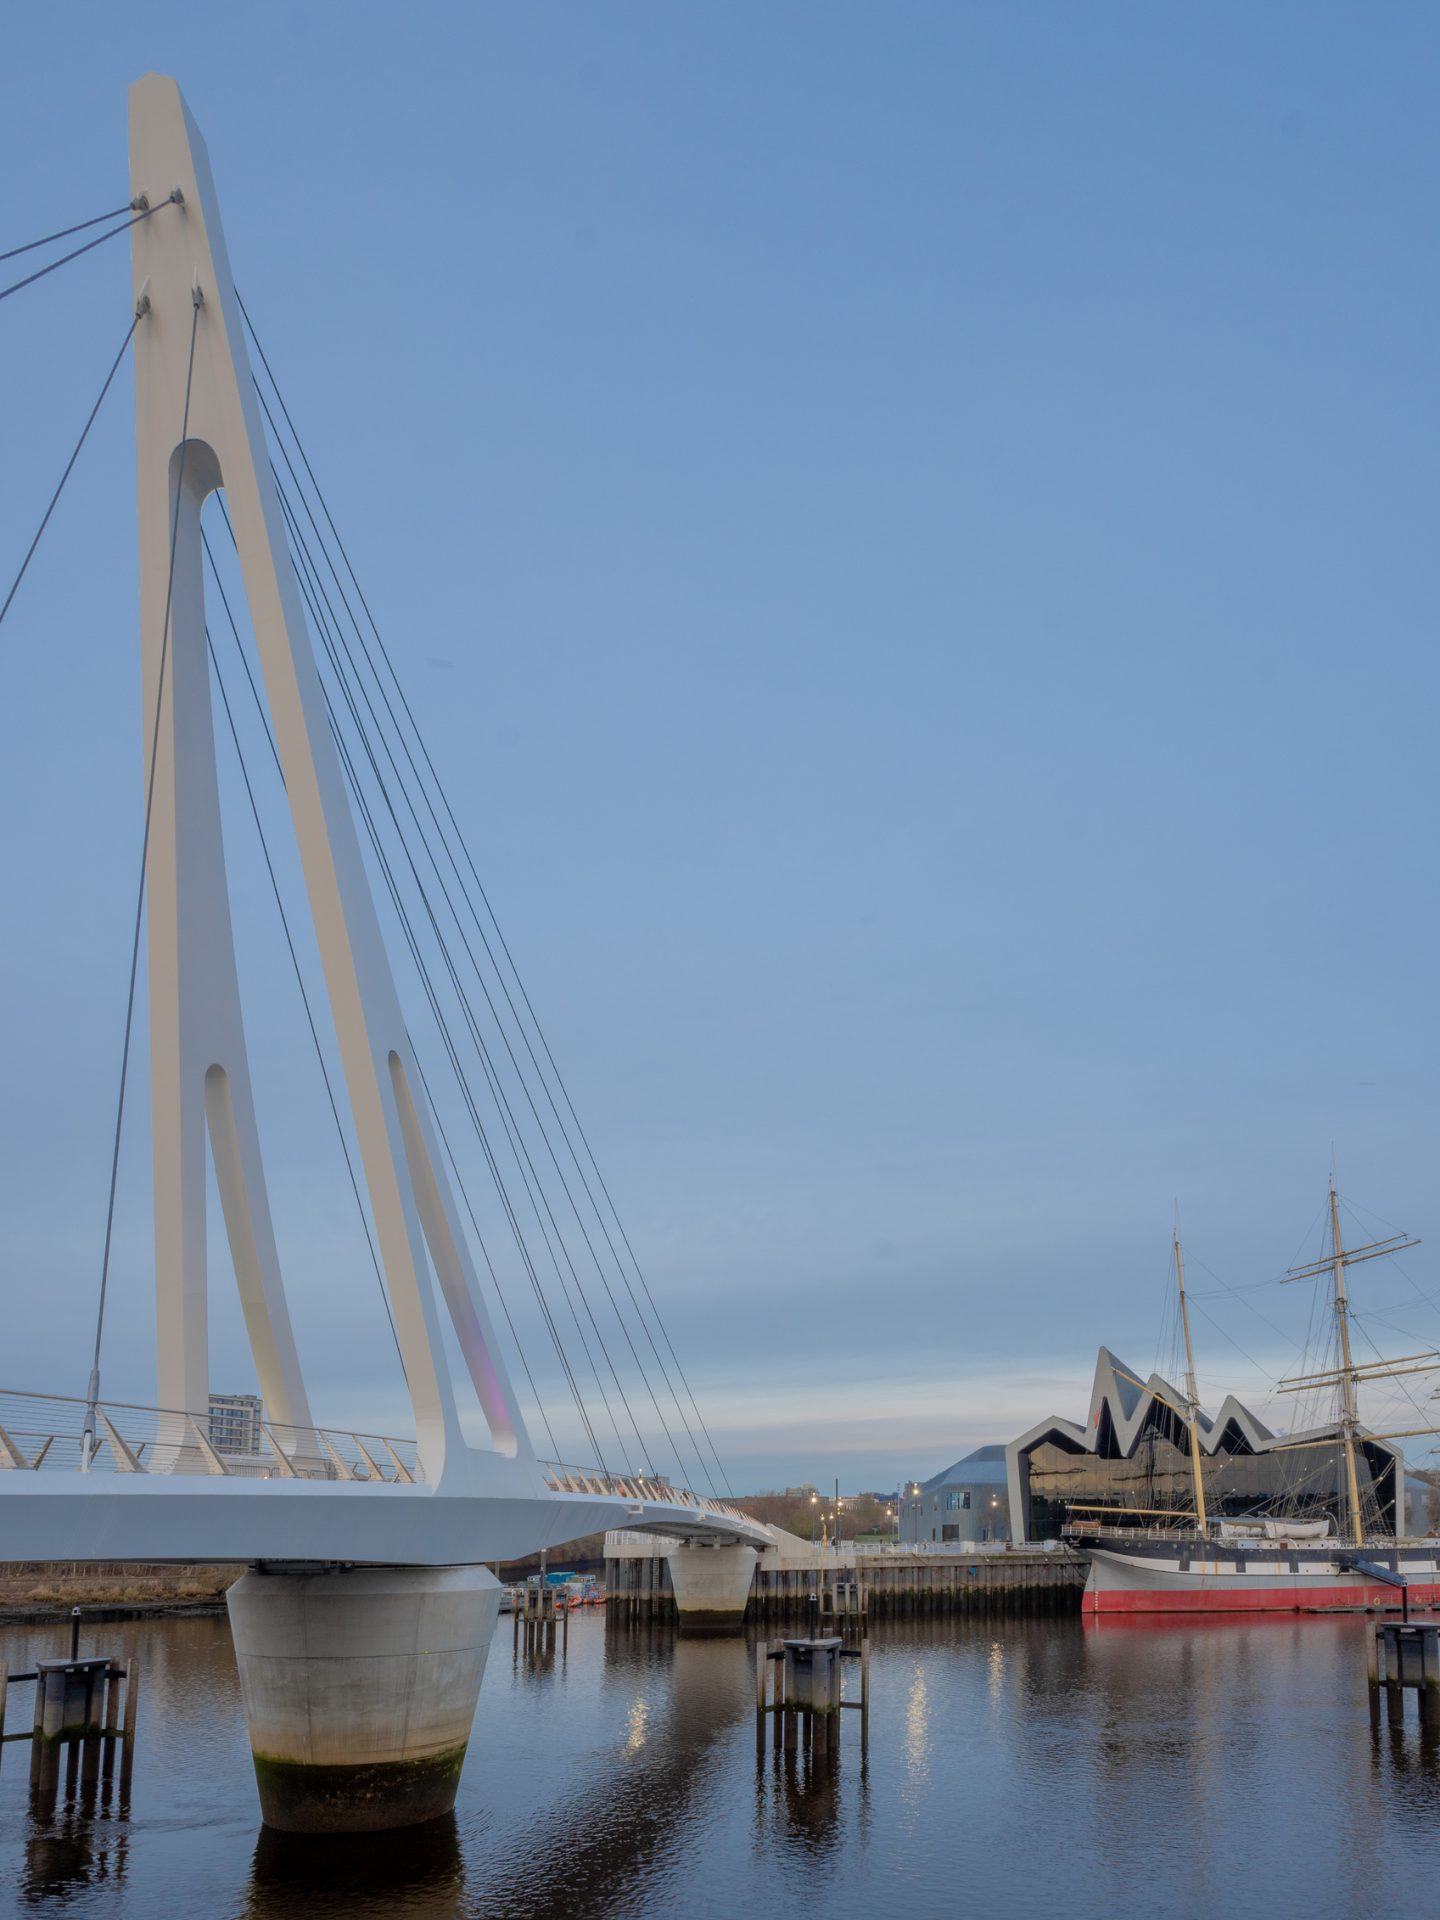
(39, 1590)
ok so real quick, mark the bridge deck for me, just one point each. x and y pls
(148, 1483)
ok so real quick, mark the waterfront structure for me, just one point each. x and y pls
(1130, 1464)
(968, 1503)
(235, 1422)
(1283, 1537)
(362, 1626)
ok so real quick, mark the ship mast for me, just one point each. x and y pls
(1347, 1377)
(1192, 1397)
(1349, 1396)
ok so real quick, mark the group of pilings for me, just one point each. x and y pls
(84, 1714)
(799, 1692)
(892, 1587)
(1405, 1658)
(539, 1616)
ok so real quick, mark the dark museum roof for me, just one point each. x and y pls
(1122, 1411)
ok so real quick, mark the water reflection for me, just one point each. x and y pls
(539, 1645)
(1405, 1763)
(636, 1725)
(805, 1803)
(604, 1845)
(418, 1871)
(75, 1850)
(620, 1777)
(917, 1721)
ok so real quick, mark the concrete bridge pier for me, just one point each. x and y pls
(712, 1585)
(359, 1686)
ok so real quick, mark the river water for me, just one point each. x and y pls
(1019, 1768)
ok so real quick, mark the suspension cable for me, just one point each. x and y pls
(140, 313)
(549, 1321)
(244, 657)
(305, 998)
(302, 543)
(64, 233)
(454, 1058)
(484, 1250)
(318, 585)
(469, 860)
(422, 968)
(92, 1391)
(173, 199)
(309, 585)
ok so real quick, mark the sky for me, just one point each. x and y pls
(908, 534)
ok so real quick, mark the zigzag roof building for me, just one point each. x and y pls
(1128, 1465)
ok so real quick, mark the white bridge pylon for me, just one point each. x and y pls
(200, 1074)
(198, 430)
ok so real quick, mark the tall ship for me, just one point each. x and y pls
(1305, 1546)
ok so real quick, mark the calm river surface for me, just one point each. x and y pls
(1025, 1768)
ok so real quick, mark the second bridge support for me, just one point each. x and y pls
(712, 1586)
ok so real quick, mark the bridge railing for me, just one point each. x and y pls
(652, 1490)
(55, 1433)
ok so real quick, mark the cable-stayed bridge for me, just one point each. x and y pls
(368, 1547)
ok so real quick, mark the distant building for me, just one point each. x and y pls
(968, 1504)
(1129, 1465)
(235, 1422)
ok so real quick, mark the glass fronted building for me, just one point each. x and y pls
(1129, 1465)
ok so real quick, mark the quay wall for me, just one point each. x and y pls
(894, 1586)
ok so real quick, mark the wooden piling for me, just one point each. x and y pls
(762, 1661)
(1373, 1678)
(91, 1744)
(865, 1693)
(37, 1742)
(1430, 1682)
(112, 1723)
(127, 1738)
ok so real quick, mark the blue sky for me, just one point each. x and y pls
(908, 534)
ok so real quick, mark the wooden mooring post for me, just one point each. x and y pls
(538, 1618)
(1405, 1656)
(841, 1597)
(805, 1693)
(78, 1716)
